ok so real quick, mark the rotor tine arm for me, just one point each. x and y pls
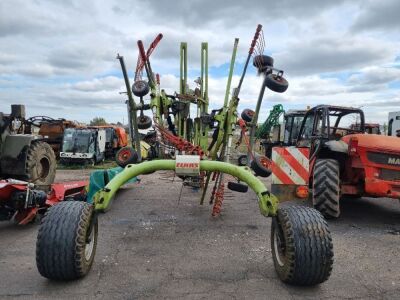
(154, 44)
(142, 53)
(255, 38)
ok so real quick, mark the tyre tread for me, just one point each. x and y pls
(309, 254)
(326, 187)
(61, 241)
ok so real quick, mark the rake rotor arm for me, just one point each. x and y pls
(143, 59)
(132, 108)
(251, 51)
(268, 203)
(146, 63)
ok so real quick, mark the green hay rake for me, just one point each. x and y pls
(300, 239)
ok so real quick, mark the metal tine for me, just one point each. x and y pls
(262, 39)
(258, 61)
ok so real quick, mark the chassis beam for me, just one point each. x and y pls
(268, 203)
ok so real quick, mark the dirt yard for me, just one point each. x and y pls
(154, 244)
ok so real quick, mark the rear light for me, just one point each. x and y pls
(353, 144)
(302, 191)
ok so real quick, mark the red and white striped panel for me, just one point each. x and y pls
(290, 165)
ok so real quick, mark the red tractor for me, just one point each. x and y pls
(332, 159)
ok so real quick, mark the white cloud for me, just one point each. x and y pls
(109, 83)
(58, 57)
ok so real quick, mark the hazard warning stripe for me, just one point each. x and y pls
(304, 151)
(280, 176)
(286, 168)
(295, 164)
(301, 155)
(290, 165)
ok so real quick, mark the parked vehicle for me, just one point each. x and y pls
(24, 156)
(331, 159)
(21, 201)
(288, 136)
(116, 138)
(83, 145)
(53, 133)
(394, 124)
(370, 128)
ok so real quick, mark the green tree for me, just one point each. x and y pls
(98, 121)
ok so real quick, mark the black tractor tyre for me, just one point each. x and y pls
(302, 248)
(144, 122)
(140, 88)
(242, 160)
(238, 187)
(67, 240)
(247, 114)
(125, 156)
(263, 61)
(41, 164)
(326, 187)
(276, 83)
(258, 165)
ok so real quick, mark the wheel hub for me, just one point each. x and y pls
(43, 168)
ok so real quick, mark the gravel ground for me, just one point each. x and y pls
(154, 245)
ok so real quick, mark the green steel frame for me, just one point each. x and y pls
(268, 203)
(218, 151)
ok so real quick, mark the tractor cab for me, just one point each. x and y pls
(326, 124)
(292, 123)
(284, 134)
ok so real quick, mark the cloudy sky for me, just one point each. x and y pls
(58, 56)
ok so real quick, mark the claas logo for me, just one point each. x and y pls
(187, 165)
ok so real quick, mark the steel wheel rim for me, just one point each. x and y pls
(265, 162)
(89, 246)
(123, 155)
(279, 247)
(43, 168)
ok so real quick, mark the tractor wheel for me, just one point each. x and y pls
(140, 88)
(144, 122)
(247, 114)
(41, 164)
(263, 61)
(301, 245)
(261, 166)
(66, 242)
(242, 160)
(125, 156)
(326, 187)
(276, 84)
(238, 187)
